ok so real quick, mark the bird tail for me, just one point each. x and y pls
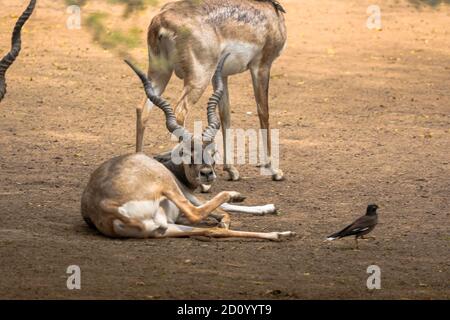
(336, 235)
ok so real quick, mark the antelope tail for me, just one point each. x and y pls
(278, 7)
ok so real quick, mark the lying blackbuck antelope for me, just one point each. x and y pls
(16, 43)
(136, 196)
(190, 36)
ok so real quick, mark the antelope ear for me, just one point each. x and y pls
(163, 157)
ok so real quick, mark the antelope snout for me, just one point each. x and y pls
(207, 175)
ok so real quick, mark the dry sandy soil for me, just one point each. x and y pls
(364, 116)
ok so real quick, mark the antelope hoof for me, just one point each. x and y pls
(233, 174)
(224, 225)
(278, 176)
(236, 197)
(205, 188)
(270, 209)
(285, 235)
(263, 165)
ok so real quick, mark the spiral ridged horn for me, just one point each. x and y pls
(213, 121)
(171, 121)
(16, 43)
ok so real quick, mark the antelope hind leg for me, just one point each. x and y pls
(180, 231)
(260, 79)
(225, 119)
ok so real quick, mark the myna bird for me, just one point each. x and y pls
(360, 227)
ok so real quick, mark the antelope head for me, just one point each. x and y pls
(192, 161)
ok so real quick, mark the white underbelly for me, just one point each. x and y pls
(160, 211)
(171, 210)
(241, 55)
(154, 215)
(140, 210)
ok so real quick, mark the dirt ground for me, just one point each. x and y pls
(364, 116)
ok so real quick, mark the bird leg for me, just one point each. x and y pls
(356, 243)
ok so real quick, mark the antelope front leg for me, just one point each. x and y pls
(259, 210)
(222, 217)
(180, 231)
(196, 214)
(142, 116)
(189, 97)
(160, 80)
(227, 196)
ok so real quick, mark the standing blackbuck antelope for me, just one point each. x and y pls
(190, 36)
(137, 196)
(16, 41)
